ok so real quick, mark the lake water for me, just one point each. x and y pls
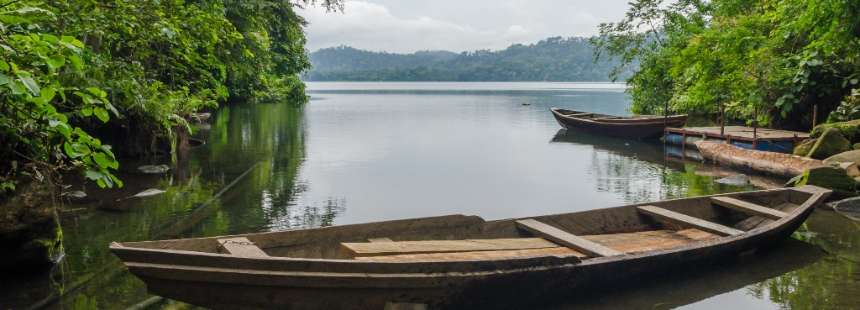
(363, 152)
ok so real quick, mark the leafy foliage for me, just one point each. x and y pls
(552, 59)
(763, 61)
(39, 96)
(131, 72)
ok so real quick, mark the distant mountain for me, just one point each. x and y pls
(552, 59)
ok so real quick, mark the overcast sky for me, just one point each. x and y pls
(455, 25)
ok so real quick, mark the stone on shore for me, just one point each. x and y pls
(827, 177)
(153, 169)
(804, 147)
(30, 235)
(850, 129)
(849, 207)
(830, 143)
(736, 180)
(844, 157)
(148, 193)
(856, 146)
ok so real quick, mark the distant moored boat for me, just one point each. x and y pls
(637, 127)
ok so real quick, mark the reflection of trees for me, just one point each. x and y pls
(272, 135)
(638, 170)
(831, 283)
(266, 140)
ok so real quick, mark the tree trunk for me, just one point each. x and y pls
(778, 164)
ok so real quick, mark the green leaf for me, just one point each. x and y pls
(88, 111)
(56, 61)
(61, 127)
(5, 79)
(73, 41)
(76, 61)
(101, 114)
(101, 160)
(17, 88)
(97, 92)
(29, 83)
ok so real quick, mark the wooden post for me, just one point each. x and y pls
(814, 115)
(666, 114)
(755, 127)
(722, 119)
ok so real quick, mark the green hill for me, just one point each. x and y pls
(552, 59)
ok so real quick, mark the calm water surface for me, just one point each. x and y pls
(373, 151)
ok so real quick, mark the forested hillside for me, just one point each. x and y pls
(553, 59)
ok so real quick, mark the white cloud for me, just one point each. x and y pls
(407, 26)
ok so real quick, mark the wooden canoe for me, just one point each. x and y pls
(457, 260)
(637, 127)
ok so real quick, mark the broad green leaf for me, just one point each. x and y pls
(101, 160)
(61, 127)
(56, 61)
(29, 83)
(101, 114)
(76, 61)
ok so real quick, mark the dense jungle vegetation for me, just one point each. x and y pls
(552, 59)
(77, 76)
(772, 62)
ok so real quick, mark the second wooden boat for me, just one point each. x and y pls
(459, 260)
(637, 127)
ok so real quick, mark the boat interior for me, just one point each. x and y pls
(597, 116)
(588, 234)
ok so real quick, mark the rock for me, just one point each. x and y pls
(153, 169)
(804, 147)
(844, 157)
(849, 207)
(856, 146)
(200, 117)
(736, 180)
(148, 193)
(77, 195)
(30, 234)
(830, 143)
(850, 169)
(850, 129)
(828, 177)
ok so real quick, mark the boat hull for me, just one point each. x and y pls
(223, 281)
(633, 128)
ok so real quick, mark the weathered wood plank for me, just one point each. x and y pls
(379, 240)
(473, 255)
(687, 220)
(241, 246)
(566, 239)
(436, 246)
(635, 242)
(748, 207)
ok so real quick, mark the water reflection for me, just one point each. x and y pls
(673, 290)
(430, 152)
(640, 171)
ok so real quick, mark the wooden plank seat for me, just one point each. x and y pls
(624, 242)
(241, 246)
(748, 207)
(439, 246)
(566, 239)
(689, 221)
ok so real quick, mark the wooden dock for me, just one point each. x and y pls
(763, 139)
